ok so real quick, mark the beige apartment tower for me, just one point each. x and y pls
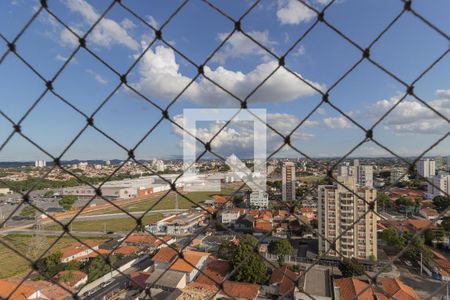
(288, 181)
(338, 210)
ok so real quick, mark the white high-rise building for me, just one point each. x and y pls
(426, 167)
(40, 163)
(288, 181)
(440, 185)
(398, 174)
(363, 174)
(158, 165)
(338, 210)
(259, 199)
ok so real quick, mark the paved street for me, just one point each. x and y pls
(423, 285)
(119, 281)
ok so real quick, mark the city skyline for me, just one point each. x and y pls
(240, 66)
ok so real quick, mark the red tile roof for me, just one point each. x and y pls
(214, 272)
(50, 290)
(143, 239)
(430, 211)
(7, 287)
(92, 254)
(127, 250)
(351, 287)
(190, 259)
(70, 277)
(240, 290)
(165, 255)
(220, 199)
(285, 278)
(419, 224)
(77, 247)
(262, 226)
(398, 290)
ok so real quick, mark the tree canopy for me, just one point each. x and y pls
(350, 267)
(249, 265)
(67, 201)
(281, 248)
(441, 203)
(28, 211)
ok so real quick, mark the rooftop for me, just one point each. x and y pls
(214, 272)
(166, 278)
(396, 289)
(240, 290)
(165, 255)
(190, 259)
(285, 278)
(78, 247)
(317, 282)
(350, 289)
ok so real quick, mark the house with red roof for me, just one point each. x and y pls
(396, 289)
(262, 227)
(190, 263)
(72, 278)
(77, 250)
(164, 257)
(282, 282)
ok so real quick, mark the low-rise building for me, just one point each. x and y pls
(167, 280)
(315, 283)
(244, 223)
(429, 213)
(396, 289)
(180, 224)
(282, 282)
(229, 216)
(164, 258)
(190, 263)
(259, 199)
(72, 278)
(78, 250)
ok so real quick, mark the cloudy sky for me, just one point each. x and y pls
(239, 67)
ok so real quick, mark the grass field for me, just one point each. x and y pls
(168, 202)
(11, 264)
(118, 224)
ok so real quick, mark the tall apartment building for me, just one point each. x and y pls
(426, 167)
(338, 210)
(440, 185)
(158, 165)
(288, 181)
(40, 163)
(363, 174)
(398, 174)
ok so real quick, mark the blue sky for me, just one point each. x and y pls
(321, 58)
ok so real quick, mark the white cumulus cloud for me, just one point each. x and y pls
(160, 77)
(106, 33)
(411, 116)
(293, 12)
(238, 137)
(238, 45)
(337, 122)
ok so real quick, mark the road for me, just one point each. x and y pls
(424, 286)
(119, 281)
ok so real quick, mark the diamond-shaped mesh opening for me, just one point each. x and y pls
(69, 233)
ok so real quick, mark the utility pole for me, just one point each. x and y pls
(421, 263)
(176, 201)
